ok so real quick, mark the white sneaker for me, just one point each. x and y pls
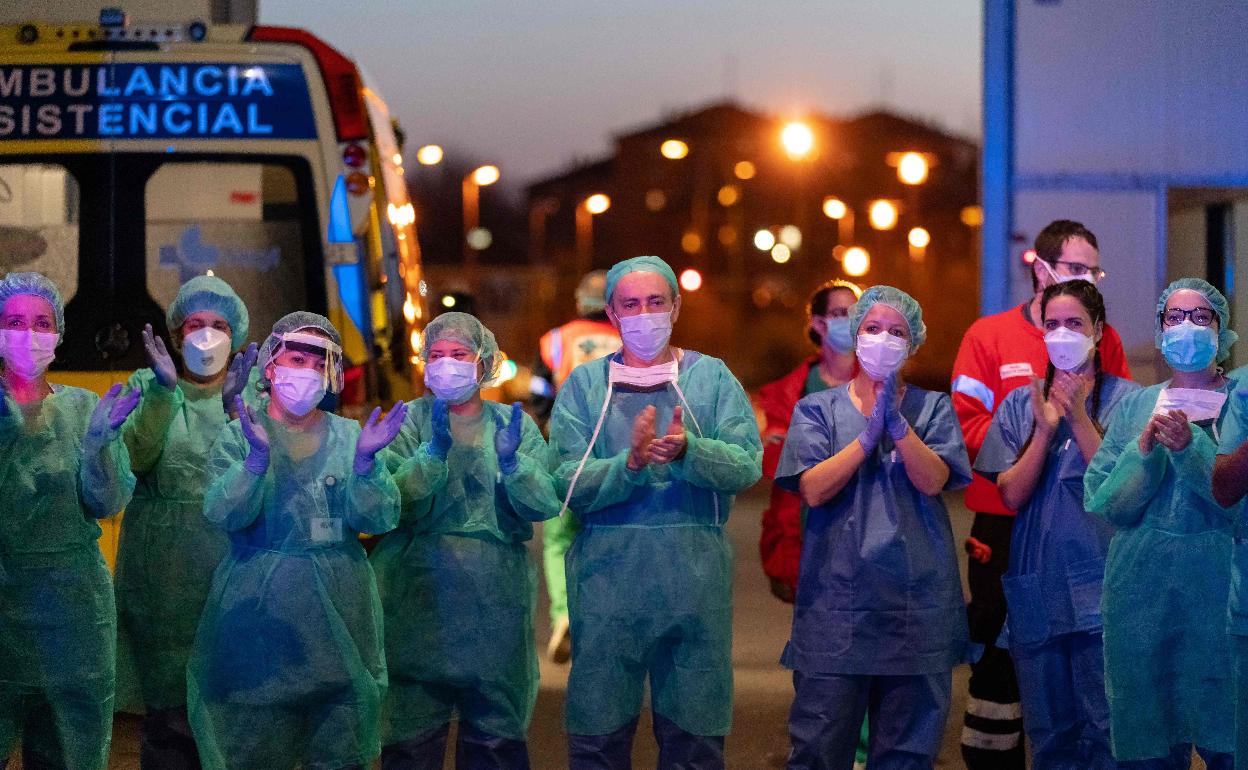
(560, 648)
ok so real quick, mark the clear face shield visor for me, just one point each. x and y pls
(313, 344)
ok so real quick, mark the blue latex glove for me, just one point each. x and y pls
(377, 435)
(871, 435)
(895, 424)
(159, 359)
(507, 439)
(109, 414)
(257, 437)
(439, 445)
(236, 378)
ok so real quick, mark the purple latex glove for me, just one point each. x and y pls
(257, 461)
(895, 424)
(871, 435)
(507, 439)
(159, 359)
(236, 377)
(376, 435)
(439, 445)
(108, 416)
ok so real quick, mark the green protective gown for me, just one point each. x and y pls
(1168, 659)
(168, 549)
(456, 580)
(287, 666)
(58, 623)
(650, 575)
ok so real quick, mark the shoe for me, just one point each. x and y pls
(560, 648)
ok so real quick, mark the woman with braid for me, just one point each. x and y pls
(1037, 449)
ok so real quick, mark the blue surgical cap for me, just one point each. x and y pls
(207, 292)
(640, 265)
(896, 299)
(34, 284)
(1226, 336)
(467, 330)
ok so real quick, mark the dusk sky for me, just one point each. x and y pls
(535, 86)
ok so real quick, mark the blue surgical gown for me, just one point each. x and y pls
(1057, 555)
(650, 575)
(878, 592)
(1167, 667)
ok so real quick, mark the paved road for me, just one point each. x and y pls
(763, 689)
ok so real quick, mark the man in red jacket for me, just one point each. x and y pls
(998, 354)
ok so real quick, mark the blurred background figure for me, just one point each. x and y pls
(587, 337)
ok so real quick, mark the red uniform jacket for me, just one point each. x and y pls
(998, 354)
(781, 542)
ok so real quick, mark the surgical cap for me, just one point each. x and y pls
(591, 293)
(640, 265)
(898, 300)
(1226, 336)
(37, 285)
(470, 332)
(207, 292)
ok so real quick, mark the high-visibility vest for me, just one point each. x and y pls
(566, 347)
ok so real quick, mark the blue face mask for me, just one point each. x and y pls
(1188, 347)
(838, 335)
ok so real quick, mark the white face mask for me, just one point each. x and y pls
(1197, 404)
(880, 355)
(28, 353)
(1068, 349)
(643, 376)
(206, 351)
(647, 334)
(452, 380)
(299, 390)
(1063, 278)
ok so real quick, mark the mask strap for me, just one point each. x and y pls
(698, 428)
(602, 416)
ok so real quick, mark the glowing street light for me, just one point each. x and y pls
(429, 155)
(912, 168)
(856, 261)
(882, 214)
(597, 203)
(764, 240)
(744, 170)
(791, 236)
(690, 280)
(780, 253)
(674, 149)
(919, 238)
(798, 139)
(728, 195)
(834, 208)
(485, 175)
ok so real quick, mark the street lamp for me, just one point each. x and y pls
(471, 193)
(882, 214)
(912, 168)
(592, 206)
(429, 155)
(856, 261)
(918, 238)
(798, 140)
(674, 149)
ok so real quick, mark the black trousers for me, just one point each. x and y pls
(992, 729)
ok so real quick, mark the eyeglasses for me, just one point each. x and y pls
(1080, 270)
(1201, 316)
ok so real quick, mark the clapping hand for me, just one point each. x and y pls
(376, 435)
(672, 445)
(159, 359)
(507, 439)
(110, 413)
(643, 434)
(439, 445)
(1047, 414)
(1172, 430)
(236, 378)
(257, 439)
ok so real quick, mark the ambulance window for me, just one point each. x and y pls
(39, 206)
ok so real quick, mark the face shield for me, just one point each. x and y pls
(327, 351)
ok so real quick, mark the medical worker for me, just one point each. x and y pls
(1041, 440)
(1230, 484)
(62, 466)
(1168, 669)
(456, 581)
(168, 550)
(287, 667)
(879, 622)
(651, 445)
